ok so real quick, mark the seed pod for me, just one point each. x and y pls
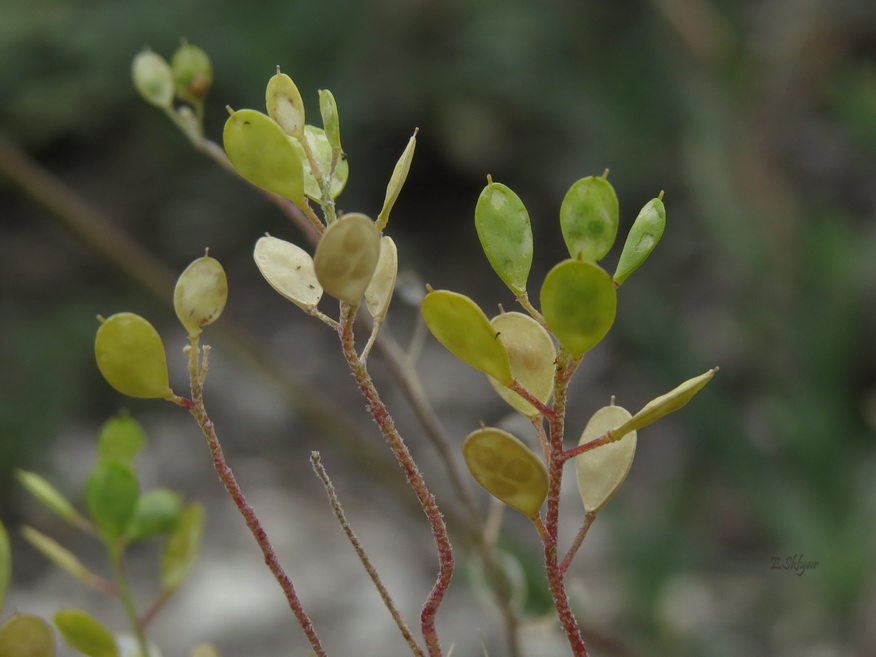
(120, 437)
(531, 354)
(261, 153)
(505, 233)
(321, 150)
(25, 635)
(579, 302)
(182, 547)
(111, 495)
(58, 555)
(602, 470)
(5, 563)
(192, 73)
(668, 403)
(331, 123)
(397, 181)
(285, 105)
(153, 78)
(589, 218)
(462, 327)
(507, 469)
(200, 294)
(380, 289)
(49, 496)
(130, 356)
(289, 270)
(85, 634)
(643, 237)
(157, 512)
(346, 257)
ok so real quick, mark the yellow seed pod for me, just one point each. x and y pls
(285, 105)
(380, 289)
(531, 354)
(507, 469)
(346, 257)
(602, 470)
(130, 356)
(289, 270)
(200, 294)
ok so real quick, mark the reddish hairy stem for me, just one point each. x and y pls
(606, 438)
(412, 473)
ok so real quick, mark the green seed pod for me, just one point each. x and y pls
(397, 181)
(111, 494)
(200, 294)
(182, 547)
(331, 123)
(507, 469)
(503, 227)
(48, 496)
(346, 257)
(643, 237)
(153, 78)
(130, 356)
(85, 634)
(668, 403)
(25, 635)
(462, 327)
(121, 437)
(589, 218)
(157, 513)
(5, 563)
(321, 150)
(192, 73)
(380, 289)
(261, 153)
(289, 270)
(602, 470)
(532, 355)
(204, 650)
(58, 555)
(579, 301)
(285, 105)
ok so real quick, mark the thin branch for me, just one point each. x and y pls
(589, 517)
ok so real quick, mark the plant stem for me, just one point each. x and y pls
(116, 551)
(589, 517)
(412, 473)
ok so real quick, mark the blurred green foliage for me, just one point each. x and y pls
(757, 118)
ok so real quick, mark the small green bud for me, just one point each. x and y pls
(602, 470)
(130, 356)
(328, 109)
(153, 78)
(347, 256)
(643, 237)
(507, 469)
(85, 634)
(462, 327)
(380, 289)
(531, 354)
(589, 218)
(505, 233)
(192, 73)
(285, 105)
(397, 181)
(200, 294)
(25, 635)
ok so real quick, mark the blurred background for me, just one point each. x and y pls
(757, 119)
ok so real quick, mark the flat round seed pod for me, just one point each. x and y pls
(346, 257)
(462, 327)
(289, 270)
(130, 356)
(579, 301)
(284, 104)
(507, 469)
(85, 633)
(505, 233)
(531, 354)
(380, 289)
(321, 149)
(200, 294)
(589, 218)
(26, 635)
(602, 470)
(263, 154)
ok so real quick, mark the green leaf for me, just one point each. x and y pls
(200, 294)
(579, 301)
(347, 256)
(668, 403)
(289, 270)
(263, 154)
(5, 563)
(121, 437)
(503, 227)
(58, 554)
(111, 495)
(130, 356)
(462, 327)
(50, 497)
(589, 218)
(323, 154)
(397, 181)
(601, 471)
(284, 104)
(84, 633)
(183, 544)
(158, 512)
(507, 469)
(25, 635)
(380, 289)
(532, 356)
(646, 231)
